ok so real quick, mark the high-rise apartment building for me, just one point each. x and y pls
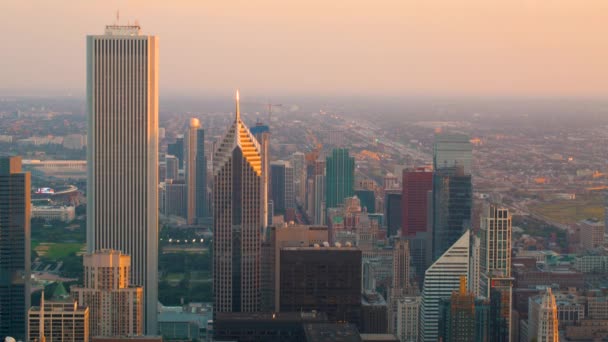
(60, 322)
(441, 278)
(115, 306)
(339, 177)
(176, 198)
(122, 154)
(495, 282)
(237, 213)
(452, 150)
(547, 319)
(452, 205)
(15, 247)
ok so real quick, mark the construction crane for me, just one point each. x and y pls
(269, 106)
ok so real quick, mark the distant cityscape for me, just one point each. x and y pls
(123, 218)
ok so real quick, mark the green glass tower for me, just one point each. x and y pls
(339, 177)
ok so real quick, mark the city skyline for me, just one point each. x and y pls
(526, 47)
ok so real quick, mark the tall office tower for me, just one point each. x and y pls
(401, 264)
(408, 318)
(202, 198)
(277, 175)
(451, 150)
(177, 149)
(237, 224)
(441, 278)
(15, 253)
(325, 278)
(279, 237)
(122, 158)
(190, 167)
(172, 165)
(176, 198)
(319, 177)
(58, 322)
(339, 177)
(298, 161)
(393, 211)
(115, 306)
(261, 133)
(547, 319)
(457, 315)
(368, 199)
(282, 185)
(417, 183)
(495, 269)
(452, 203)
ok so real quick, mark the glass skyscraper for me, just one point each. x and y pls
(339, 177)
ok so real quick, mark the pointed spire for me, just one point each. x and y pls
(238, 108)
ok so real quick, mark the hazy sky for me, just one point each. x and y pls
(333, 47)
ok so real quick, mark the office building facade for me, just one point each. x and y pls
(237, 224)
(122, 158)
(339, 177)
(115, 305)
(58, 322)
(15, 247)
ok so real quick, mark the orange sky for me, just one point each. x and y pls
(371, 47)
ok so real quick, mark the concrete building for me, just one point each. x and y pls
(237, 224)
(592, 234)
(122, 154)
(441, 278)
(115, 306)
(60, 321)
(15, 247)
(64, 213)
(408, 317)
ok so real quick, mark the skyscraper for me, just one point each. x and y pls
(283, 188)
(122, 158)
(339, 177)
(190, 154)
(261, 133)
(202, 205)
(115, 306)
(452, 149)
(15, 253)
(172, 165)
(495, 269)
(547, 319)
(452, 203)
(195, 165)
(441, 278)
(177, 149)
(237, 173)
(457, 322)
(417, 184)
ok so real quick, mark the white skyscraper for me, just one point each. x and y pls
(547, 319)
(237, 224)
(122, 154)
(441, 278)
